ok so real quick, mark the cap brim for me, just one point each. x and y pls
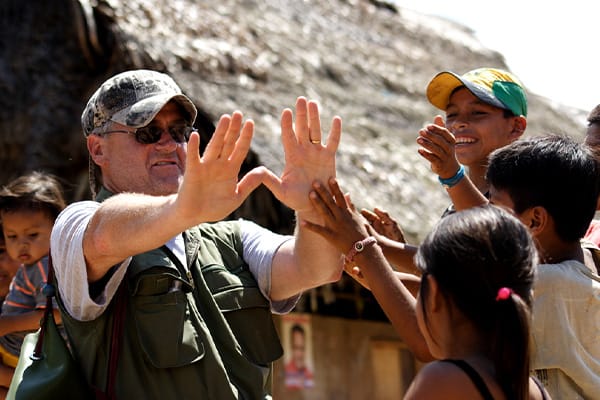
(443, 84)
(441, 87)
(143, 112)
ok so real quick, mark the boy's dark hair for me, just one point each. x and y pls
(594, 117)
(551, 171)
(36, 191)
(472, 254)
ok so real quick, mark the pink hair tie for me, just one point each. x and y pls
(503, 293)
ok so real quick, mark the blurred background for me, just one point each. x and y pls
(368, 61)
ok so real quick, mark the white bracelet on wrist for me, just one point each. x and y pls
(360, 246)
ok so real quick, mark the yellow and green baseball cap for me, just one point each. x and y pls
(493, 86)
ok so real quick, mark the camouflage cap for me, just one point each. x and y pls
(133, 99)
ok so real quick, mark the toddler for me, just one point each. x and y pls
(28, 207)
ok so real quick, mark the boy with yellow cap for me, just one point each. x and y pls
(486, 109)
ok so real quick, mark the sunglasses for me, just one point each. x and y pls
(151, 133)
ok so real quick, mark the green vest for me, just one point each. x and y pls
(200, 333)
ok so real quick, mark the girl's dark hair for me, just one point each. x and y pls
(472, 254)
(36, 191)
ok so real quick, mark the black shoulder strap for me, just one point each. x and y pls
(475, 377)
(115, 342)
(117, 332)
(49, 291)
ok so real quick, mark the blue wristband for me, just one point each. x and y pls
(448, 183)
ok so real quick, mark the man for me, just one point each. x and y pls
(199, 295)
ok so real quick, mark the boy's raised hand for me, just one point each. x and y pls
(437, 146)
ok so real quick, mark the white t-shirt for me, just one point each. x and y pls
(259, 247)
(566, 330)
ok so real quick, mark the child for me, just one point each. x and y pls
(473, 305)
(28, 207)
(551, 184)
(592, 134)
(8, 269)
(486, 109)
(592, 139)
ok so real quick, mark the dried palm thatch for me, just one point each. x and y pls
(367, 61)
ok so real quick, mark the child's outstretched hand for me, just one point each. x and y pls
(383, 224)
(342, 224)
(437, 146)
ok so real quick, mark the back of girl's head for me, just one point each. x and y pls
(472, 255)
(36, 191)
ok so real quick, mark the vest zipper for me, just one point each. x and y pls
(183, 270)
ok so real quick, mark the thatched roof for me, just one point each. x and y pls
(367, 61)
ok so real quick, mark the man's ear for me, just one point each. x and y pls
(95, 146)
(519, 126)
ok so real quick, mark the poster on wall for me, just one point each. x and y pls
(298, 355)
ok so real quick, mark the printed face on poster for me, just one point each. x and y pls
(298, 353)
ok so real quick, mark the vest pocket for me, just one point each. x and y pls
(246, 310)
(249, 316)
(163, 321)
